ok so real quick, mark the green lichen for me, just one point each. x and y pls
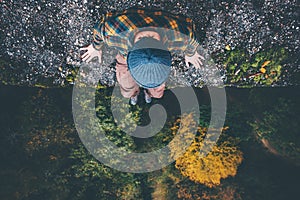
(263, 68)
(72, 73)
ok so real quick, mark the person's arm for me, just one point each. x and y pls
(191, 54)
(192, 46)
(97, 38)
(94, 49)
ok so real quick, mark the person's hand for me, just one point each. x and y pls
(91, 53)
(195, 60)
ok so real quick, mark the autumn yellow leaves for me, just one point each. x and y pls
(209, 169)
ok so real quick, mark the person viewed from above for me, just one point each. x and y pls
(144, 39)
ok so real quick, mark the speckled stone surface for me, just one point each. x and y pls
(41, 39)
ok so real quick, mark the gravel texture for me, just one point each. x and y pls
(41, 39)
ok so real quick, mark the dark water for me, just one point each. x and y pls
(28, 174)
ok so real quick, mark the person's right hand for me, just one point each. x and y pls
(91, 53)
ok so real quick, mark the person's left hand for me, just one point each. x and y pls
(195, 60)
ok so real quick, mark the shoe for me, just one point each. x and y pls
(148, 98)
(133, 100)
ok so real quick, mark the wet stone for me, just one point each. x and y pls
(41, 39)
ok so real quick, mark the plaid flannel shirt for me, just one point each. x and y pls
(119, 28)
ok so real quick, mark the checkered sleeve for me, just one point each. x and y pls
(193, 43)
(97, 38)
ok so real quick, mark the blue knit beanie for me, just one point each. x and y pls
(149, 63)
